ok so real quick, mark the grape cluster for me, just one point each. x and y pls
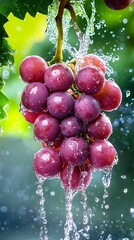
(66, 106)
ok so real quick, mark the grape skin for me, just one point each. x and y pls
(110, 96)
(87, 108)
(102, 154)
(92, 60)
(117, 5)
(74, 150)
(60, 104)
(58, 77)
(32, 69)
(80, 179)
(34, 97)
(47, 163)
(46, 128)
(100, 128)
(90, 80)
(70, 126)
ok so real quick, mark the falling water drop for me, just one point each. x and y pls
(106, 179)
(43, 229)
(128, 93)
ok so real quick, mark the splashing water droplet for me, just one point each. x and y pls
(84, 38)
(70, 226)
(128, 93)
(132, 212)
(123, 177)
(125, 190)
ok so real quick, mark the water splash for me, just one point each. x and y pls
(85, 39)
(70, 228)
(85, 232)
(43, 230)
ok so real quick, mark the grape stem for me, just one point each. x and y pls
(73, 16)
(58, 53)
(64, 4)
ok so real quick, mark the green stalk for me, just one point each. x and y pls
(58, 53)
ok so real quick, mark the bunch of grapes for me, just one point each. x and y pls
(66, 105)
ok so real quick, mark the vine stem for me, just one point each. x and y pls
(58, 53)
(74, 20)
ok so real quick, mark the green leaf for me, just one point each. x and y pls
(1, 82)
(3, 114)
(3, 20)
(6, 54)
(3, 103)
(3, 100)
(19, 7)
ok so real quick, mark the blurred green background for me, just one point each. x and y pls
(19, 204)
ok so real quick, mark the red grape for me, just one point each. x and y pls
(100, 128)
(74, 150)
(34, 97)
(58, 77)
(70, 126)
(102, 154)
(60, 104)
(90, 79)
(30, 116)
(32, 69)
(55, 144)
(47, 162)
(87, 108)
(92, 60)
(46, 128)
(117, 5)
(110, 96)
(80, 178)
